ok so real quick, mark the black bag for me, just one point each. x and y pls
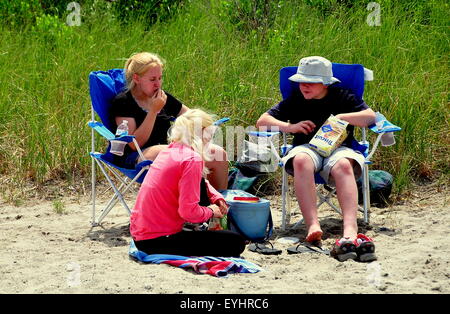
(380, 183)
(254, 164)
(241, 177)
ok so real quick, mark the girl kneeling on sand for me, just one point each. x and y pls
(170, 195)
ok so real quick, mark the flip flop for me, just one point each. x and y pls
(307, 248)
(262, 249)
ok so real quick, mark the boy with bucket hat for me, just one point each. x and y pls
(303, 113)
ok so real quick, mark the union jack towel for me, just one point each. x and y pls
(214, 266)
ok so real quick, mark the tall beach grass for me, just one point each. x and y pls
(211, 63)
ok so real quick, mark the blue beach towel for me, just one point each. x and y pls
(215, 266)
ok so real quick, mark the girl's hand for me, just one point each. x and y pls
(158, 101)
(217, 213)
(223, 206)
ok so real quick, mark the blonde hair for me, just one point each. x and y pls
(139, 63)
(189, 130)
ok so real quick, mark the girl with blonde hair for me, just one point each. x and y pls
(170, 196)
(149, 111)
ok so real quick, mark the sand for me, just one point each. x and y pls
(43, 251)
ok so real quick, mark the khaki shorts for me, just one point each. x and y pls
(323, 165)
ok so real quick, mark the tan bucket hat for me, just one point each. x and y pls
(314, 70)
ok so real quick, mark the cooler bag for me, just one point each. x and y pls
(249, 215)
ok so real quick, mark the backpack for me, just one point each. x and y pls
(380, 183)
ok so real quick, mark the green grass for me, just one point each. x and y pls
(59, 207)
(45, 104)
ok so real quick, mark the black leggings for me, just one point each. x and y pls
(218, 243)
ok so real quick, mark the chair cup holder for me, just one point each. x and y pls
(117, 147)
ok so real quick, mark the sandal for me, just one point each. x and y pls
(263, 249)
(365, 248)
(344, 249)
(307, 248)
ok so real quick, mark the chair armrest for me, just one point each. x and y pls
(384, 129)
(368, 74)
(126, 138)
(263, 134)
(382, 125)
(221, 121)
(102, 130)
(143, 164)
(285, 149)
(387, 127)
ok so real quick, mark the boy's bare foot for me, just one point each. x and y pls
(314, 234)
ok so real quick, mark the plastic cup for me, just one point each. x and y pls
(388, 139)
(117, 147)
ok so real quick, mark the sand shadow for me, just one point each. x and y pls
(113, 236)
(332, 228)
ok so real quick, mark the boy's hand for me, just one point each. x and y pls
(340, 116)
(362, 118)
(304, 127)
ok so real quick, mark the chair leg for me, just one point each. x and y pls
(93, 190)
(298, 224)
(112, 202)
(93, 173)
(366, 193)
(108, 208)
(327, 199)
(288, 204)
(283, 200)
(118, 192)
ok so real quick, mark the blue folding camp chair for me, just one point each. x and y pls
(103, 87)
(352, 77)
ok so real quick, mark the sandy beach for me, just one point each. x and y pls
(43, 251)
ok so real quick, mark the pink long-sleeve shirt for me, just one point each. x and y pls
(170, 193)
